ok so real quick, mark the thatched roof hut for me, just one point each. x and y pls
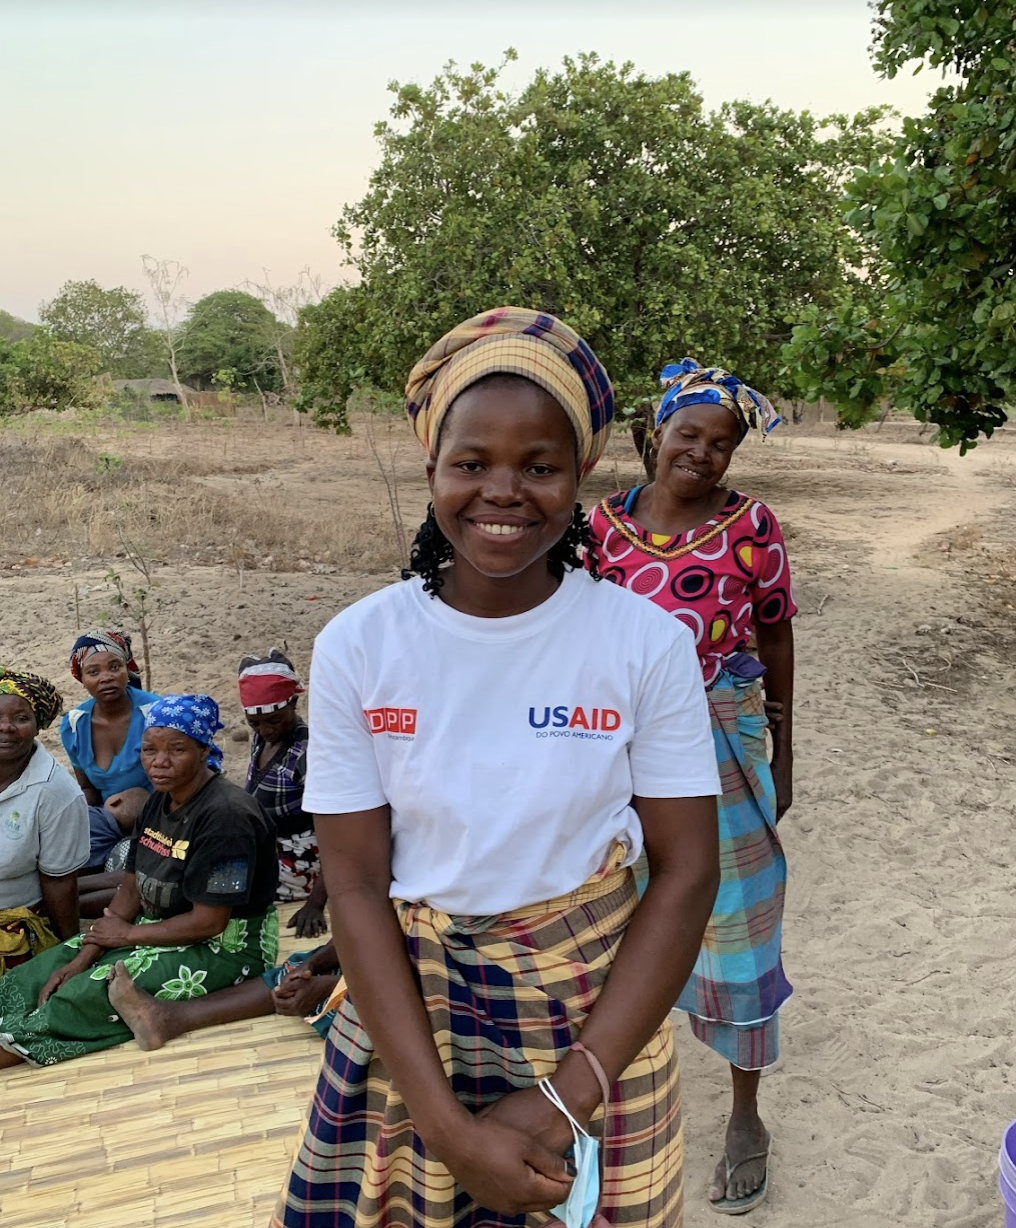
(154, 389)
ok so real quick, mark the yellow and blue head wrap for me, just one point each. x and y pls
(516, 341)
(688, 383)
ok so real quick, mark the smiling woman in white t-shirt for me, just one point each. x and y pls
(492, 744)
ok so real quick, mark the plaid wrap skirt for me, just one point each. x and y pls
(738, 984)
(506, 996)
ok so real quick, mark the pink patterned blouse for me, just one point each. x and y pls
(719, 579)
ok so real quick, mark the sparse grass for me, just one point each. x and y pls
(64, 497)
(964, 536)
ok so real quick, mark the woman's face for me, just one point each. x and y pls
(173, 761)
(505, 478)
(18, 728)
(273, 726)
(104, 675)
(695, 447)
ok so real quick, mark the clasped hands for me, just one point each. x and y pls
(510, 1158)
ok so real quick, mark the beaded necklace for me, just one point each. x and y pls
(673, 552)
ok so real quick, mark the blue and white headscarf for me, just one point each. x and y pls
(195, 715)
(687, 383)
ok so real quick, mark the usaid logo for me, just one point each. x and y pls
(396, 722)
(563, 721)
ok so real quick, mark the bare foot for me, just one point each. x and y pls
(149, 1020)
(745, 1139)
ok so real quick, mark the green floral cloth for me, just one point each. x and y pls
(78, 1018)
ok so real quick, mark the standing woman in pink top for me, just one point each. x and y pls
(715, 558)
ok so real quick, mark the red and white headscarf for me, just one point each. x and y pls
(268, 683)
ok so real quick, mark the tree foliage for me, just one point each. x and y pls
(941, 211)
(45, 372)
(233, 331)
(605, 196)
(112, 323)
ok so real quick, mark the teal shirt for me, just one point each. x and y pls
(125, 772)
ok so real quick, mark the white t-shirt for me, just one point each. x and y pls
(43, 826)
(508, 748)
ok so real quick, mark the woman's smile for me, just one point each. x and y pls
(501, 528)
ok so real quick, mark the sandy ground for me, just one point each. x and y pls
(896, 1082)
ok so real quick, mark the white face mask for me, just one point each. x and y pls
(579, 1208)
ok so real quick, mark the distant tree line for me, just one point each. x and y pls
(229, 339)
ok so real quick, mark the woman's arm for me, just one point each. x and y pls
(323, 961)
(92, 949)
(203, 921)
(653, 961)
(60, 896)
(500, 1166)
(92, 795)
(776, 652)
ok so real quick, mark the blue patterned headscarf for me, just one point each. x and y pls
(195, 715)
(687, 383)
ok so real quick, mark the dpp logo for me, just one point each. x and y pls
(604, 720)
(398, 721)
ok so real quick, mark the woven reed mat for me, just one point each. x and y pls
(197, 1133)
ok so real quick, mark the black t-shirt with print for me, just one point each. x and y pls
(218, 848)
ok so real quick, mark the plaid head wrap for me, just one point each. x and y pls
(267, 683)
(43, 697)
(116, 642)
(195, 715)
(687, 383)
(515, 341)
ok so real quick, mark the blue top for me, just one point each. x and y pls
(125, 772)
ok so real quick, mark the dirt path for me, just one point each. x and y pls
(896, 1083)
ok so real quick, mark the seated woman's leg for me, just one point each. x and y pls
(156, 1022)
(79, 1019)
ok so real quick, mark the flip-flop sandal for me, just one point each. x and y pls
(739, 1206)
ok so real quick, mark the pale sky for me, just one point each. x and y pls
(227, 134)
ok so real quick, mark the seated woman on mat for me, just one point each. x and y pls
(43, 825)
(195, 912)
(300, 986)
(278, 765)
(102, 738)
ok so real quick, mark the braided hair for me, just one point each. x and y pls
(432, 550)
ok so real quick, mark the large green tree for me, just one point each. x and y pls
(112, 323)
(941, 211)
(230, 337)
(606, 196)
